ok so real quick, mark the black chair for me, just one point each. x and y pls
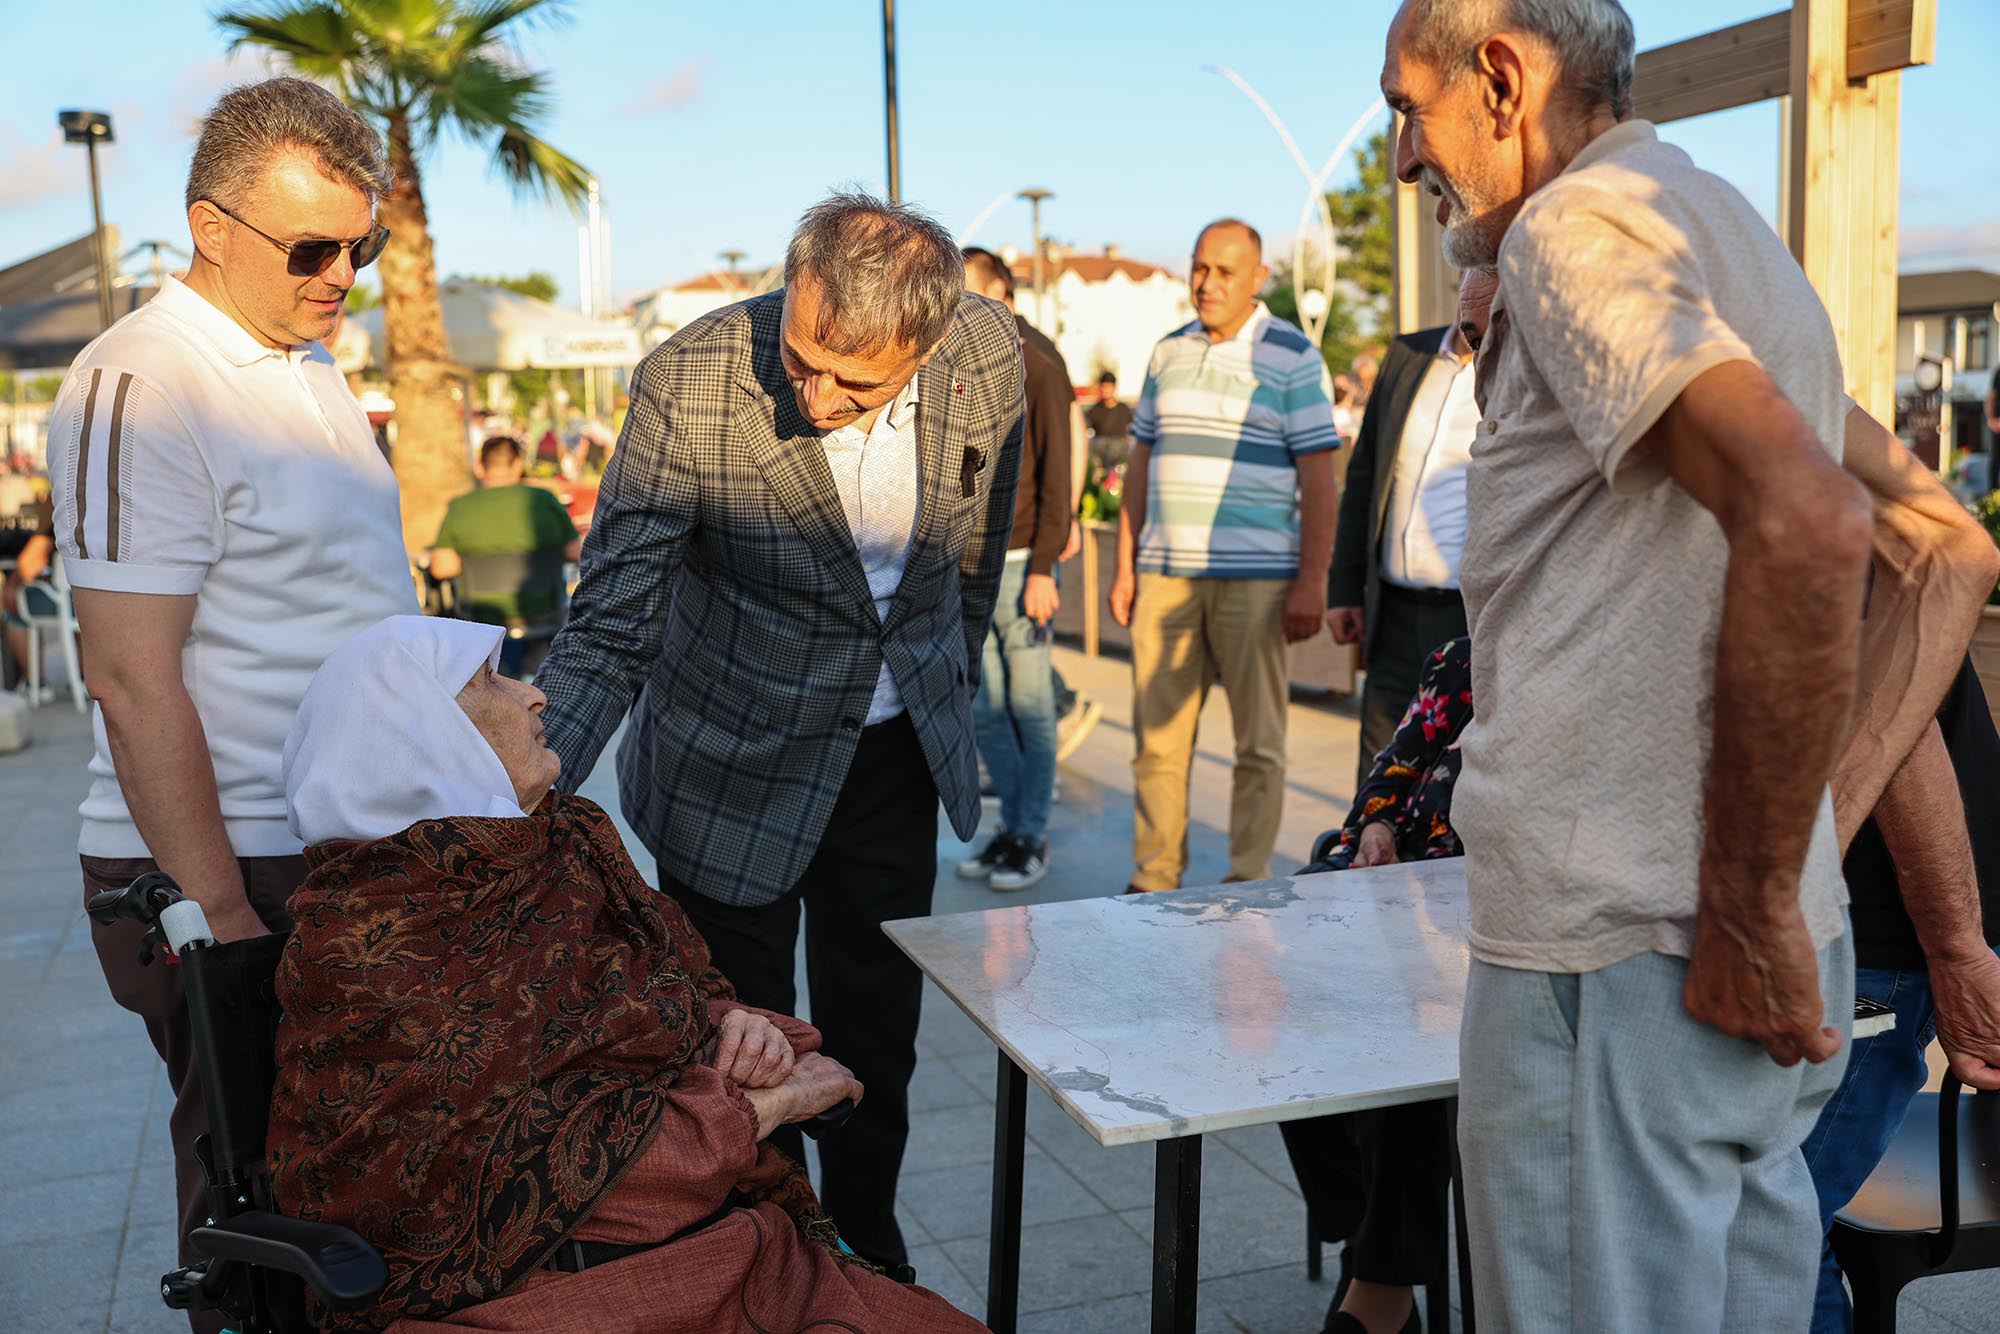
(258, 1262)
(511, 574)
(1928, 1208)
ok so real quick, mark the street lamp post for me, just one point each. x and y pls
(91, 128)
(1035, 196)
(889, 97)
(734, 259)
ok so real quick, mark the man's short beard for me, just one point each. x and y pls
(1467, 246)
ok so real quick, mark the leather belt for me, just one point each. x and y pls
(1423, 597)
(573, 1256)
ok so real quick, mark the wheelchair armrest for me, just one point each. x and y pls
(336, 1263)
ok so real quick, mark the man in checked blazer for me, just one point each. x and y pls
(787, 585)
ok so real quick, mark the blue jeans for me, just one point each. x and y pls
(1883, 1073)
(1014, 717)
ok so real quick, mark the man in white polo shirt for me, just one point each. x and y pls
(226, 521)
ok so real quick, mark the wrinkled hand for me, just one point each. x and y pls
(1124, 589)
(1968, 1017)
(1344, 624)
(1039, 599)
(1305, 606)
(817, 1082)
(751, 1051)
(1757, 978)
(1375, 847)
(1075, 543)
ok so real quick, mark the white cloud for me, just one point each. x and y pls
(31, 172)
(198, 86)
(1946, 242)
(679, 89)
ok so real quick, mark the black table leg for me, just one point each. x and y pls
(1466, 1322)
(1003, 1263)
(1176, 1233)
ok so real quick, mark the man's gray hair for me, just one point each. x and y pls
(884, 273)
(1592, 39)
(251, 124)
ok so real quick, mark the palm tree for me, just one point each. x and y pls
(416, 67)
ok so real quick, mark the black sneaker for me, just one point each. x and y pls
(989, 857)
(1023, 865)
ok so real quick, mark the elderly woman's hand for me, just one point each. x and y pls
(751, 1051)
(817, 1082)
(1376, 846)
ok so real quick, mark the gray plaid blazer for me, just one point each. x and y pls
(723, 605)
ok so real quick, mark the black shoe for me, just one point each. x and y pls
(1022, 865)
(981, 865)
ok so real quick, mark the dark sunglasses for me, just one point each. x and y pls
(309, 259)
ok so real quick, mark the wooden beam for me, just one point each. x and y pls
(1732, 67)
(1752, 61)
(1842, 164)
(1888, 35)
(1425, 293)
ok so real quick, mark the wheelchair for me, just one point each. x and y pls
(257, 1263)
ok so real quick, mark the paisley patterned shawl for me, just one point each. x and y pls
(481, 1018)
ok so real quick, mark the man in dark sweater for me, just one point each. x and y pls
(1923, 876)
(1014, 716)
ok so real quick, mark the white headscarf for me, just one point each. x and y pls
(380, 741)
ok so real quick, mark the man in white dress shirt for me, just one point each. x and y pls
(1393, 587)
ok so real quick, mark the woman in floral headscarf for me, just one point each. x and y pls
(506, 1060)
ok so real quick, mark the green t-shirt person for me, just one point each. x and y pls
(503, 517)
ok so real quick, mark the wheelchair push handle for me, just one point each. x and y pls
(156, 901)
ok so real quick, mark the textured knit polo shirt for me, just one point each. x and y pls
(1593, 582)
(1227, 423)
(189, 459)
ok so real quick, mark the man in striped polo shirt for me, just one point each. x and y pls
(1223, 546)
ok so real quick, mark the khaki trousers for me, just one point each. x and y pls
(1186, 633)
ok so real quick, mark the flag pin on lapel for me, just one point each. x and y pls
(957, 386)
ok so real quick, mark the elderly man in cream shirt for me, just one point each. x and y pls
(1664, 574)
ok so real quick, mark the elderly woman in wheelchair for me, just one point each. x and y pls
(507, 1062)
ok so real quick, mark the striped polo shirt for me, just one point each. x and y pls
(1227, 423)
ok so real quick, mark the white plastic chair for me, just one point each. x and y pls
(64, 624)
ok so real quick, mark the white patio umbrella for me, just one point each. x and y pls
(492, 329)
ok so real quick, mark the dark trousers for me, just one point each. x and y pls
(1377, 1180)
(1411, 624)
(876, 862)
(154, 994)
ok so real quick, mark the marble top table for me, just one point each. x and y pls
(1160, 1017)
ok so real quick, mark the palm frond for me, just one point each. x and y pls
(535, 166)
(314, 36)
(481, 21)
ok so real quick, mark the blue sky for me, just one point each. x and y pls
(712, 125)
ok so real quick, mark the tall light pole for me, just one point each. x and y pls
(91, 128)
(889, 97)
(1035, 196)
(734, 258)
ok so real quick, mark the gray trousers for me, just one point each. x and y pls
(1630, 1169)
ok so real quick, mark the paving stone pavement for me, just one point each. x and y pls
(86, 1188)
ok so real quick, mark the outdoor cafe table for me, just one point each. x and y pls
(1162, 1017)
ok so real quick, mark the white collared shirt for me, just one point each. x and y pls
(187, 458)
(876, 474)
(1423, 530)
